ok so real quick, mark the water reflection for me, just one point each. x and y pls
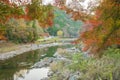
(32, 74)
(21, 64)
(18, 68)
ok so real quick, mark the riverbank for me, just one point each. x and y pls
(72, 64)
(6, 46)
(9, 49)
(20, 49)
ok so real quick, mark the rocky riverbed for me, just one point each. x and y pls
(58, 65)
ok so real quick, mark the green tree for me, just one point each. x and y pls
(20, 31)
(62, 21)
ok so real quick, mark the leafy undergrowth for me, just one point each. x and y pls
(105, 68)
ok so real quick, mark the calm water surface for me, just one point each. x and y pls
(32, 74)
(18, 67)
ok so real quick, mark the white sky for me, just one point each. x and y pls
(47, 1)
(85, 4)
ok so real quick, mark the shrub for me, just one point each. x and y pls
(105, 68)
(60, 71)
(20, 31)
(55, 66)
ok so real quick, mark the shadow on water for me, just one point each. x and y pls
(14, 68)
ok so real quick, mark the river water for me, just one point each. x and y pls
(19, 67)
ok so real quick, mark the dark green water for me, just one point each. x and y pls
(18, 67)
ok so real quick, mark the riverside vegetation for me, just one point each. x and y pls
(82, 67)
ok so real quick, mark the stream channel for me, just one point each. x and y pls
(20, 67)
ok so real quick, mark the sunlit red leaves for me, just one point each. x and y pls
(76, 15)
(2, 37)
(25, 16)
(90, 37)
(88, 34)
(5, 1)
(46, 23)
(103, 30)
(59, 3)
(85, 48)
(7, 11)
(20, 2)
(2, 33)
(114, 38)
(50, 22)
(43, 13)
(26, 10)
(16, 2)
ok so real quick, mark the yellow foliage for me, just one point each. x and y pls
(60, 33)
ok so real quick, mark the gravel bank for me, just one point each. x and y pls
(26, 48)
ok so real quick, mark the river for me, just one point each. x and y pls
(20, 67)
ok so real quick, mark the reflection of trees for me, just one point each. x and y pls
(9, 67)
(50, 51)
(29, 57)
(7, 74)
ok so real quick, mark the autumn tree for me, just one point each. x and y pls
(103, 30)
(43, 13)
(7, 11)
(27, 9)
(100, 30)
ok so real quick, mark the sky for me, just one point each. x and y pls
(45, 2)
(18, 3)
(85, 4)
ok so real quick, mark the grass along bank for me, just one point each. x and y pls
(82, 67)
(9, 49)
(8, 46)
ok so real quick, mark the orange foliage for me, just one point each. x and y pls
(2, 37)
(5, 1)
(103, 30)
